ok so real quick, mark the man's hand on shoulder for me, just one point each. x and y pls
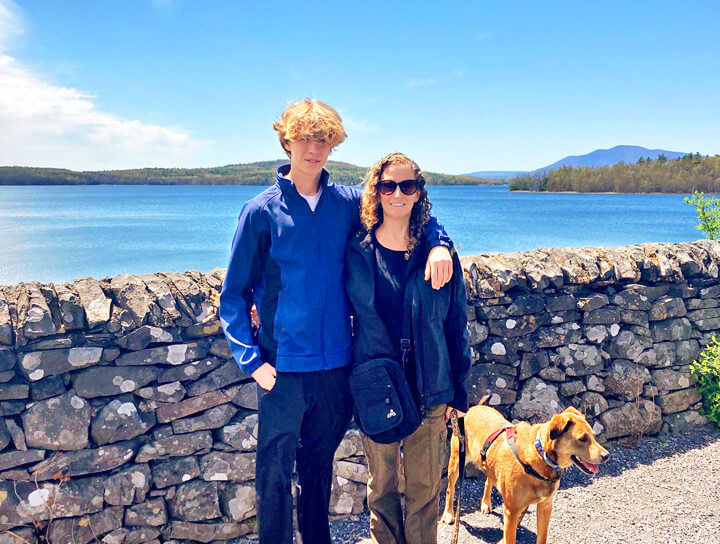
(265, 376)
(439, 266)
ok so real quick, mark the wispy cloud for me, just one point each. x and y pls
(357, 125)
(48, 125)
(413, 83)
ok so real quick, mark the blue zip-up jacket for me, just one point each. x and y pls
(290, 262)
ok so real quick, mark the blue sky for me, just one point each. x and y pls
(459, 86)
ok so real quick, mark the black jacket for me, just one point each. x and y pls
(439, 322)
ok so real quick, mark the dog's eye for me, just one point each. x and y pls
(584, 438)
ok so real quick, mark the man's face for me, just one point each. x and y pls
(308, 157)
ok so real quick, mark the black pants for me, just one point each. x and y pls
(303, 418)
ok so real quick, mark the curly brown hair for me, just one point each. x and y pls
(371, 212)
(309, 119)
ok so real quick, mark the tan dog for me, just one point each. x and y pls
(566, 439)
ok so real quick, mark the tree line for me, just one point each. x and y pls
(257, 173)
(688, 174)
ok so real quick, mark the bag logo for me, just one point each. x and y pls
(390, 414)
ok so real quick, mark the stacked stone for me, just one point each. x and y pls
(609, 331)
(123, 417)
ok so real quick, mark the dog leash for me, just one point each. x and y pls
(458, 428)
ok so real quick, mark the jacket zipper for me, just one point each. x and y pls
(417, 330)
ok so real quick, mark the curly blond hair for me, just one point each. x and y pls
(309, 119)
(371, 212)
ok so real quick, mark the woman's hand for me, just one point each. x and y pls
(439, 266)
(265, 376)
(449, 411)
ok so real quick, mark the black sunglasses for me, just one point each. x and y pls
(408, 187)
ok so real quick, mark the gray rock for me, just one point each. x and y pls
(92, 297)
(532, 363)
(552, 374)
(120, 421)
(246, 396)
(46, 388)
(683, 422)
(593, 302)
(90, 461)
(592, 404)
(671, 380)
(220, 467)
(514, 326)
(350, 446)
(495, 380)
(72, 315)
(141, 338)
(196, 501)
(594, 383)
(7, 359)
(227, 374)
(142, 535)
(602, 316)
(187, 407)
(27, 535)
(578, 359)
(36, 365)
(564, 317)
(206, 328)
(357, 472)
(168, 392)
(701, 303)
(627, 345)
(109, 381)
(69, 499)
(5, 436)
(174, 354)
(34, 317)
(17, 434)
(634, 317)
(666, 308)
(59, 423)
(19, 458)
(238, 501)
(6, 329)
(11, 407)
(129, 485)
(596, 334)
(175, 471)
(151, 513)
(633, 418)
(347, 496)
(567, 333)
(161, 292)
(87, 529)
(572, 388)
(477, 331)
(559, 303)
(678, 401)
(130, 294)
(526, 304)
(174, 446)
(671, 329)
(205, 532)
(538, 401)
(7, 376)
(634, 298)
(192, 371)
(15, 391)
(220, 348)
(210, 419)
(626, 379)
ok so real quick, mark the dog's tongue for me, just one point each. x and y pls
(592, 468)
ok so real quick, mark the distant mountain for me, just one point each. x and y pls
(607, 157)
(599, 157)
(494, 174)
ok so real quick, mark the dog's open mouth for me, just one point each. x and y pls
(586, 467)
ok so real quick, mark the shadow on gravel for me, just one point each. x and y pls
(494, 534)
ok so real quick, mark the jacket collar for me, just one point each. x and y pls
(285, 183)
(365, 243)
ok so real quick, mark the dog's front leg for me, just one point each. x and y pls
(544, 509)
(486, 504)
(453, 473)
(511, 519)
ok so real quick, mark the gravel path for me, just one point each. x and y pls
(662, 490)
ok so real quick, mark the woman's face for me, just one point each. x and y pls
(398, 205)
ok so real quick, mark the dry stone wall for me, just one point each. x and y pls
(124, 420)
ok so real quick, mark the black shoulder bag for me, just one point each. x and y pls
(385, 409)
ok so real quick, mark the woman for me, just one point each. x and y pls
(382, 262)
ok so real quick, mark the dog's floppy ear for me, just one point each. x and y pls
(559, 424)
(573, 410)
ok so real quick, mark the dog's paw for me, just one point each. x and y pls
(447, 518)
(485, 508)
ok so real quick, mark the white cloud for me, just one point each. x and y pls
(357, 125)
(47, 125)
(420, 83)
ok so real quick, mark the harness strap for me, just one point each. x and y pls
(458, 428)
(490, 439)
(510, 435)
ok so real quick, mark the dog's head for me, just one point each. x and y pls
(572, 440)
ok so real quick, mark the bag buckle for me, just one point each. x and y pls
(405, 347)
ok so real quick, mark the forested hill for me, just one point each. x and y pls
(687, 174)
(256, 173)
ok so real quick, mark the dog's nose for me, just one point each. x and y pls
(605, 456)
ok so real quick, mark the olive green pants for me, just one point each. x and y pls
(422, 457)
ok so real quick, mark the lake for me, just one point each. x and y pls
(51, 233)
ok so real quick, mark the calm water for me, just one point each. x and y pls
(60, 233)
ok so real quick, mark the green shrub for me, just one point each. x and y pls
(707, 371)
(708, 210)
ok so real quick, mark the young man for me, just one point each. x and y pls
(288, 258)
